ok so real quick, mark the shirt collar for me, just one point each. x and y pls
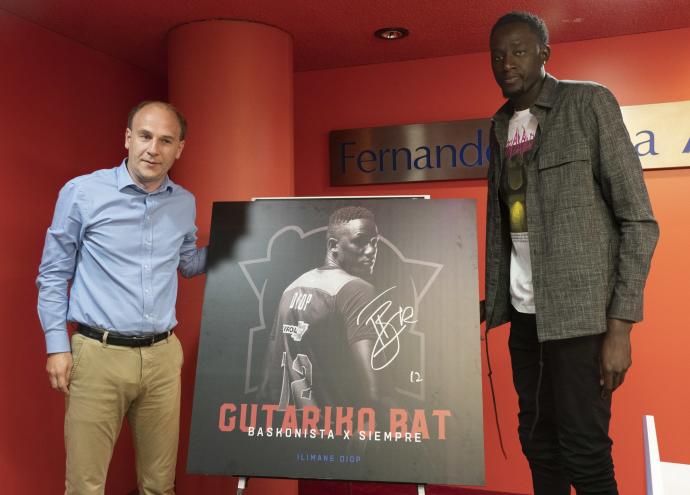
(547, 95)
(125, 180)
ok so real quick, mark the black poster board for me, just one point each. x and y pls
(280, 390)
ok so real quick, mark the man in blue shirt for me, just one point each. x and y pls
(119, 236)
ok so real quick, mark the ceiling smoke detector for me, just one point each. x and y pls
(391, 33)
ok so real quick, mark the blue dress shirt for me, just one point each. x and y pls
(121, 247)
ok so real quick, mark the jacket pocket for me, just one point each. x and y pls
(565, 177)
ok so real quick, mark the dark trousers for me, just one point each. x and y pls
(563, 421)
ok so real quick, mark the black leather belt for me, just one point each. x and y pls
(115, 338)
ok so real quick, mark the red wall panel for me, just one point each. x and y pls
(65, 108)
(64, 111)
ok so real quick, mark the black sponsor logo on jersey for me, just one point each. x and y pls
(296, 331)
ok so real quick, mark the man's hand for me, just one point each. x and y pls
(59, 367)
(616, 355)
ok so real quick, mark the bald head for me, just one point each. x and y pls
(181, 120)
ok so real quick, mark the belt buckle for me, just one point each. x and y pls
(146, 340)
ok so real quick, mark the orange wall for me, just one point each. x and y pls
(64, 109)
(647, 68)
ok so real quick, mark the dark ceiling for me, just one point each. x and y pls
(339, 33)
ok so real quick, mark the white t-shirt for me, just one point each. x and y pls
(522, 130)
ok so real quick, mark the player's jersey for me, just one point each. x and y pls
(310, 362)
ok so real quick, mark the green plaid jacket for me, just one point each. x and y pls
(591, 228)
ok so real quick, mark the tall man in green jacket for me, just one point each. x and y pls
(570, 236)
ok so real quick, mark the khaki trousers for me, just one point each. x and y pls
(108, 383)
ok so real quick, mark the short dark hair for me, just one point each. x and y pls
(180, 117)
(536, 23)
(343, 215)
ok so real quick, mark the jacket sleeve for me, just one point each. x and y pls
(624, 190)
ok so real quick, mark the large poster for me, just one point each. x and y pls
(340, 340)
